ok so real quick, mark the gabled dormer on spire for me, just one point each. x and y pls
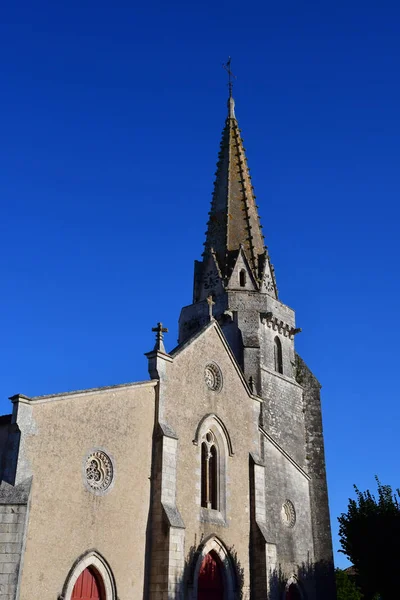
(234, 225)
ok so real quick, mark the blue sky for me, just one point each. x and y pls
(111, 116)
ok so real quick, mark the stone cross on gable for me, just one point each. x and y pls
(160, 330)
(210, 303)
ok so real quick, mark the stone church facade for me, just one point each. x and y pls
(206, 482)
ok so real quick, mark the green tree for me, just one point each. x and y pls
(346, 589)
(369, 534)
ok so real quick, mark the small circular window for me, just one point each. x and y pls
(288, 514)
(99, 471)
(213, 377)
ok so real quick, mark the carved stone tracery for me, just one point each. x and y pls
(213, 377)
(99, 471)
(288, 514)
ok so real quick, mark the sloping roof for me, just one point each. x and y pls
(213, 324)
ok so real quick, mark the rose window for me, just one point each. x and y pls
(213, 377)
(288, 514)
(99, 471)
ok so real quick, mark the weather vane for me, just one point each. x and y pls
(231, 76)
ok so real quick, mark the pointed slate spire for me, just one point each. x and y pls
(234, 220)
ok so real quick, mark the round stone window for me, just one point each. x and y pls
(288, 514)
(213, 377)
(98, 471)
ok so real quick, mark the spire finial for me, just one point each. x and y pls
(231, 76)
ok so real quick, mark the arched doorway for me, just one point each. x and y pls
(210, 584)
(88, 586)
(293, 592)
(90, 566)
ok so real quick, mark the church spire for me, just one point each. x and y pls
(234, 224)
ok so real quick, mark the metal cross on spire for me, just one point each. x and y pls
(231, 76)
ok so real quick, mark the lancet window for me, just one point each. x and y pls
(242, 278)
(209, 472)
(278, 363)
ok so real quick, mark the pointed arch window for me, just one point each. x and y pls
(278, 363)
(209, 472)
(214, 449)
(242, 278)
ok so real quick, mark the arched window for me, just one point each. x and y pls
(213, 462)
(204, 475)
(278, 364)
(209, 472)
(214, 449)
(242, 278)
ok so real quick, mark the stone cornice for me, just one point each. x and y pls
(65, 395)
(159, 354)
(267, 318)
(285, 454)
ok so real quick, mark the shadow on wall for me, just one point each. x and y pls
(186, 585)
(315, 581)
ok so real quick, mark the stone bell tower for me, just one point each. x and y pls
(236, 272)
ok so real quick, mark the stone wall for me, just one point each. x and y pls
(283, 416)
(13, 525)
(286, 483)
(318, 485)
(189, 409)
(12, 529)
(67, 519)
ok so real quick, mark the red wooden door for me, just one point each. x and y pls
(293, 593)
(210, 584)
(88, 586)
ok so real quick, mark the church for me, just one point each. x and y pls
(206, 481)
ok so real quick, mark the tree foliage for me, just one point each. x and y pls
(369, 534)
(346, 588)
